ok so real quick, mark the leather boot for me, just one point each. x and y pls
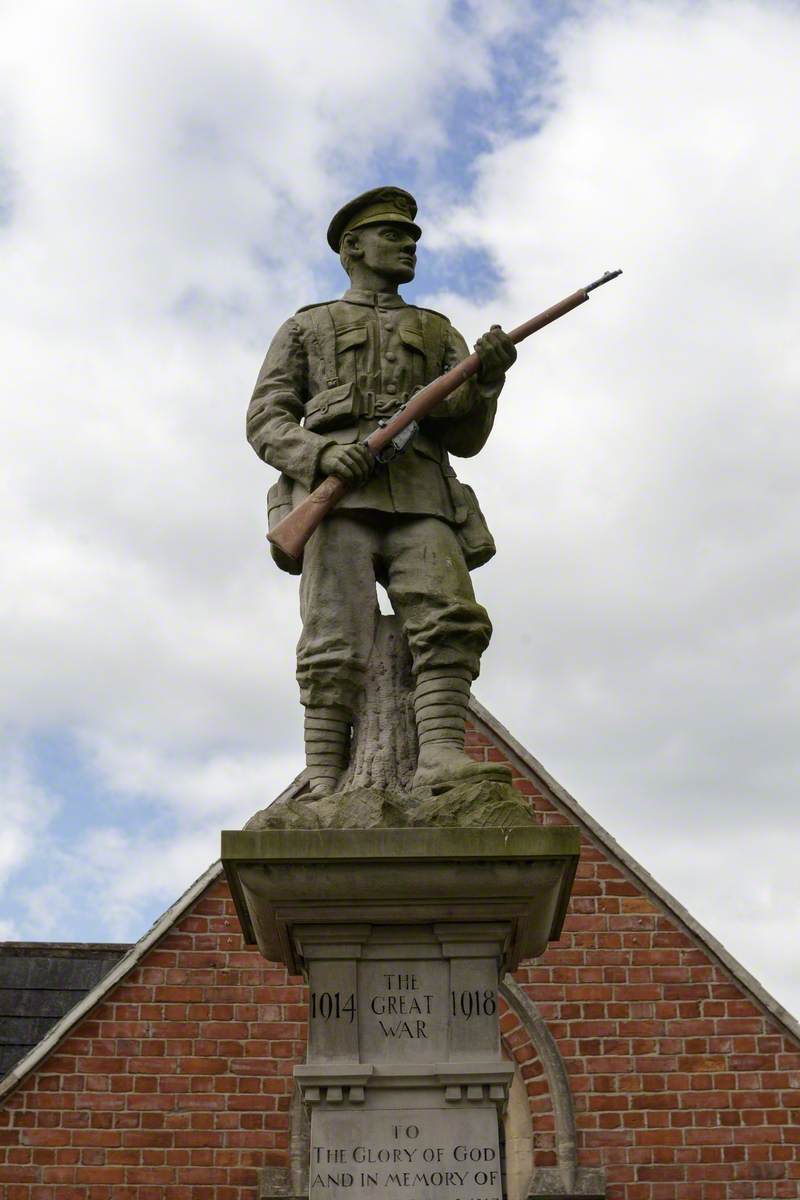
(327, 740)
(441, 698)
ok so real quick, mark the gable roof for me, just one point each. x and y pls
(527, 766)
(39, 983)
(117, 973)
(569, 806)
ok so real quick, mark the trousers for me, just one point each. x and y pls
(420, 562)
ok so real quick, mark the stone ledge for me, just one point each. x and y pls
(484, 1081)
(443, 843)
(281, 879)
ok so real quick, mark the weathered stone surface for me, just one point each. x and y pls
(548, 1184)
(361, 808)
(468, 805)
(383, 755)
(476, 804)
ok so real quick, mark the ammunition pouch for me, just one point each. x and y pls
(279, 505)
(332, 409)
(474, 536)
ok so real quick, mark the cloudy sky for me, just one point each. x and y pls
(167, 170)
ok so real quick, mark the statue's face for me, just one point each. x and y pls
(389, 250)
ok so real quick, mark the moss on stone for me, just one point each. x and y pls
(474, 804)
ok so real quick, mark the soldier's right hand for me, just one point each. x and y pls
(352, 464)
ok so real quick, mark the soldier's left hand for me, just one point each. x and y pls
(497, 352)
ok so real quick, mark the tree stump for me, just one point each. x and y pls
(375, 791)
(383, 755)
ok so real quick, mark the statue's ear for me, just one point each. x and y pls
(351, 244)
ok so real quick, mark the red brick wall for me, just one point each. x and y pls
(178, 1086)
(683, 1089)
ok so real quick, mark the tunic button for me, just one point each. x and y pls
(388, 327)
(391, 388)
(390, 356)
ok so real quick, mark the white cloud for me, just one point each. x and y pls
(127, 872)
(46, 909)
(26, 808)
(224, 785)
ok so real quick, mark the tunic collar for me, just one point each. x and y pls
(374, 299)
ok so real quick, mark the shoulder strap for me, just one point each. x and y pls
(434, 334)
(316, 304)
(435, 312)
(324, 331)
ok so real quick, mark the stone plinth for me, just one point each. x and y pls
(403, 935)
(285, 878)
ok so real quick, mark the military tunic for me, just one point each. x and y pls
(331, 374)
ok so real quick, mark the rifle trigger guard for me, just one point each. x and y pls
(398, 444)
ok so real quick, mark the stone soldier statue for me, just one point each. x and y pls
(331, 374)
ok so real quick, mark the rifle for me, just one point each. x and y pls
(393, 436)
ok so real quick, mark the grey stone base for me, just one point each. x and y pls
(548, 1184)
(275, 1183)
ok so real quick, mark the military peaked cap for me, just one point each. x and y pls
(391, 205)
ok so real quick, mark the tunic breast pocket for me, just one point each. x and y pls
(414, 346)
(349, 344)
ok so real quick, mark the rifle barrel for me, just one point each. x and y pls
(609, 275)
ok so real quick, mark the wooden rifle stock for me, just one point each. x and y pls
(291, 534)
